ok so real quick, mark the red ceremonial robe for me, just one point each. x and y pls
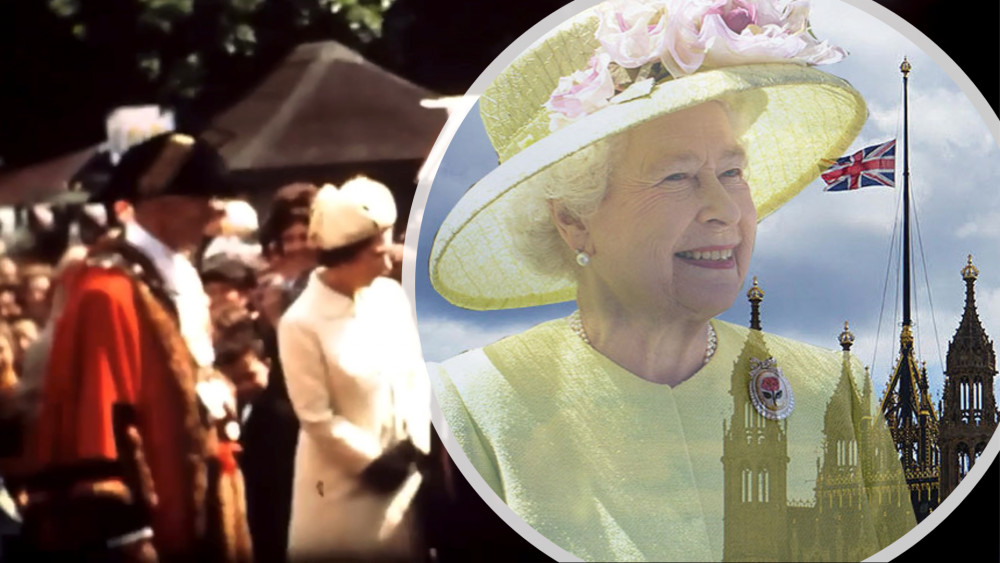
(116, 342)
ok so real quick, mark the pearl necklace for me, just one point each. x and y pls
(576, 325)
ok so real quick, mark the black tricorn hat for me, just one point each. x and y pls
(168, 164)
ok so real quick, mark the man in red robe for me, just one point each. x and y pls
(132, 456)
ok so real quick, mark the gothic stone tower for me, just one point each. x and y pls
(855, 476)
(969, 415)
(913, 424)
(755, 464)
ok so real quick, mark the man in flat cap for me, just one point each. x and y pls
(358, 386)
(133, 451)
(228, 281)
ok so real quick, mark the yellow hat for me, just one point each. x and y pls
(574, 87)
(360, 209)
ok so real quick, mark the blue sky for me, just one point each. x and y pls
(822, 258)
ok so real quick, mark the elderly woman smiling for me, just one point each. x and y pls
(640, 428)
(666, 243)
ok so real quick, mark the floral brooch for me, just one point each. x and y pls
(770, 392)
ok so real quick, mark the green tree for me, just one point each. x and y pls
(177, 39)
(66, 63)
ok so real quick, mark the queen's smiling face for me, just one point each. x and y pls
(675, 231)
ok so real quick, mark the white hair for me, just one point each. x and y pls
(578, 184)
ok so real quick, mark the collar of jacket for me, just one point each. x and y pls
(325, 302)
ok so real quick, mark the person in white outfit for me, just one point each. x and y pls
(356, 380)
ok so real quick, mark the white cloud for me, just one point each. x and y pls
(815, 220)
(940, 120)
(864, 33)
(988, 305)
(984, 225)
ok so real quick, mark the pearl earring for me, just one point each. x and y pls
(582, 258)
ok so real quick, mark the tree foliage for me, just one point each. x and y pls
(178, 37)
(66, 63)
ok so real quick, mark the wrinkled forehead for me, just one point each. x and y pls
(714, 116)
(694, 134)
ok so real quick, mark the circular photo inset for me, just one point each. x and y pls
(637, 256)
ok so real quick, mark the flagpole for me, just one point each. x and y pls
(902, 374)
(905, 69)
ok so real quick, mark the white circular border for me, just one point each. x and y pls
(458, 115)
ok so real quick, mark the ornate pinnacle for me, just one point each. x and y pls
(755, 295)
(906, 337)
(846, 338)
(905, 67)
(922, 383)
(970, 272)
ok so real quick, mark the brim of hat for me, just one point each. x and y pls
(219, 188)
(805, 118)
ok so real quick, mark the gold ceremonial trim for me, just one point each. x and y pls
(163, 170)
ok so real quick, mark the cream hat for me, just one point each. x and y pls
(240, 219)
(621, 64)
(360, 209)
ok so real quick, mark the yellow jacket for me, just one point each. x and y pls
(609, 466)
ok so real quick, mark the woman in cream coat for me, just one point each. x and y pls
(356, 381)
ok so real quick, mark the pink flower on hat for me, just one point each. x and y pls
(674, 38)
(583, 92)
(737, 14)
(735, 32)
(634, 34)
(686, 50)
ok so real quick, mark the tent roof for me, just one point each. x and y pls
(38, 182)
(324, 105)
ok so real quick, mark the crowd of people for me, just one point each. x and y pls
(26, 305)
(80, 345)
(248, 284)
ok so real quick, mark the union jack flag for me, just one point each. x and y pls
(870, 166)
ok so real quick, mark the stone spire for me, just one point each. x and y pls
(968, 414)
(970, 347)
